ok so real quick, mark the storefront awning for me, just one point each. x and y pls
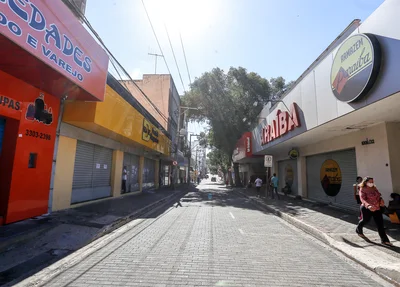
(117, 119)
(45, 45)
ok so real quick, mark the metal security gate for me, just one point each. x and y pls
(287, 174)
(131, 162)
(149, 171)
(330, 178)
(92, 172)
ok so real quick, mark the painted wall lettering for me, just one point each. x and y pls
(49, 31)
(281, 125)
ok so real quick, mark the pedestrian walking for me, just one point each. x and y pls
(371, 203)
(124, 179)
(356, 188)
(258, 182)
(274, 185)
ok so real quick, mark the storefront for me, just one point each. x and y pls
(43, 61)
(131, 164)
(341, 116)
(102, 140)
(92, 172)
(250, 166)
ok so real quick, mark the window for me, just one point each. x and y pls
(32, 160)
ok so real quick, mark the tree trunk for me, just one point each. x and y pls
(230, 183)
(238, 182)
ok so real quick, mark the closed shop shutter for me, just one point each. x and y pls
(287, 173)
(92, 172)
(131, 162)
(149, 169)
(84, 162)
(346, 176)
(102, 175)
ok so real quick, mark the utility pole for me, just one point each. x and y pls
(156, 56)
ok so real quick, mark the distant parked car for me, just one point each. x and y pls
(214, 179)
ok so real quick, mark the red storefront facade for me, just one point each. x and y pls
(46, 55)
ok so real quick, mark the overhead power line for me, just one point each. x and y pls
(114, 61)
(184, 54)
(176, 63)
(155, 35)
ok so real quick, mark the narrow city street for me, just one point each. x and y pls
(218, 241)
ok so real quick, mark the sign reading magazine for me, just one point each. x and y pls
(355, 67)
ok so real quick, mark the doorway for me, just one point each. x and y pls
(2, 130)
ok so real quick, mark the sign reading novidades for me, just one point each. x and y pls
(281, 125)
(355, 67)
(44, 28)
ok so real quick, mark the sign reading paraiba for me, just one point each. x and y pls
(355, 67)
(281, 125)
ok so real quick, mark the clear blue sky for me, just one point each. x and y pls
(271, 38)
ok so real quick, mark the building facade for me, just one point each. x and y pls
(100, 142)
(340, 119)
(43, 61)
(160, 90)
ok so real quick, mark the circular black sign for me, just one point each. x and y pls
(355, 67)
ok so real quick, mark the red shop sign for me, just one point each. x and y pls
(48, 30)
(281, 125)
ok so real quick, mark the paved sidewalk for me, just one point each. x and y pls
(30, 245)
(337, 228)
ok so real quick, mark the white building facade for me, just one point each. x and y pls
(340, 119)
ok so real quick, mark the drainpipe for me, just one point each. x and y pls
(53, 170)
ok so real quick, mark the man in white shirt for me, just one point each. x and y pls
(124, 179)
(258, 183)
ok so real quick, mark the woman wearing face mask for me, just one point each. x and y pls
(371, 203)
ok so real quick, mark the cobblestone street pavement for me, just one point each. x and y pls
(224, 241)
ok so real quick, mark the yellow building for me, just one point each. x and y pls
(106, 149)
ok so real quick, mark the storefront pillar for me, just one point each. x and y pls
(393, 137)
(64, 173)
(302, 176)
(140, 175)
(116, 172)
(157, 174)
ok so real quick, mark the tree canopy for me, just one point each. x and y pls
(230, 103)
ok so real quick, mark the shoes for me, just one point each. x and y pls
(387, 243)
(360, 234)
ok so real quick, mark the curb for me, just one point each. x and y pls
(103, 238)
(390, 274)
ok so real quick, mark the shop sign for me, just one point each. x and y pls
(39, 111)
(44, 29)
(149, 132)
(293, 153)
(10, 103)
(331, 177)
(368, 141)
(248, 144)
(281, 125)
(355, 67)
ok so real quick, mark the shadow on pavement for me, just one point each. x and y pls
(67, 231)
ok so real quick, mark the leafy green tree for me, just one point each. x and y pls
(230, 103)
